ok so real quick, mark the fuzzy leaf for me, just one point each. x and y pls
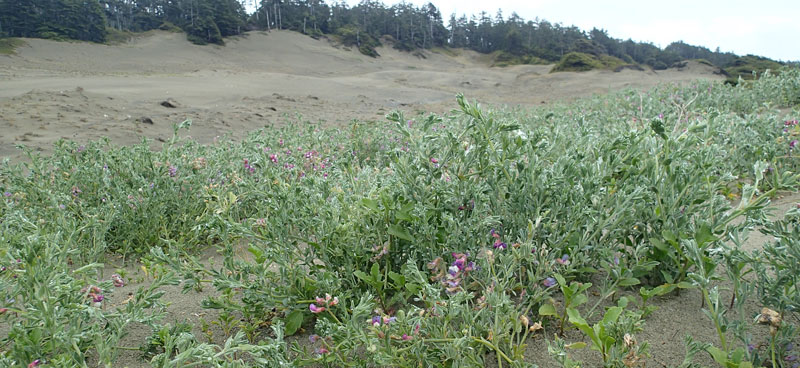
(293, 322)
(400, 232)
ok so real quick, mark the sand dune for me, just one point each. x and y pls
(51, 90)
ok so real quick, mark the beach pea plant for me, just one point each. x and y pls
(458, 238)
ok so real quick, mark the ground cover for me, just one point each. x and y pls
(476, 238)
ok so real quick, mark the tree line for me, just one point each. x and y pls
(406, 26)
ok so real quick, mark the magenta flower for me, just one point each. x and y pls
(460, 263)
(314, 309)
(321, 351)
(406, 337)
(548, 282)
(793, 143)
(97, 298)
(117, 280)
(34, 363)
(434, 160)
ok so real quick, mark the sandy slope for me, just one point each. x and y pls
(51, 90)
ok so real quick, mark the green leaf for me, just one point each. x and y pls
(630, 281)
(659, 245)
(398, 279)
(363, 276)
(719, 356)
(547, 310)
(579, 299)
(375, 272)
(704, 235)
(293, 322)
(576, 345)
(669, 236)
(561, 281)
(611, 315)
(400, 232)
(371, 204)
(257, 253)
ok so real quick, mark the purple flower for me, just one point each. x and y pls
(793, 143)
(76, 191)
(173, 171)
(97, 298)
(548, 282)
(389, 320)
(750, 348)
(34, 363)
(790, 358)
(460, 263)
(313, 338)
(314, 309)
(376, 321)
(499, 244)
(660, 116)
(564, 260)
(434, 160)
(471, 266)
(406, 337)
(7, 194)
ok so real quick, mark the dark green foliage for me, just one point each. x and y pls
(579, 62)
(749, 66)
(58, 19)
(350, 35)
(204, 31)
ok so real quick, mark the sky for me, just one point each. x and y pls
(770, 29)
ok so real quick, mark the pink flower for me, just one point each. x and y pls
(434, 160)
(117, 280)
(321, 351)
(406, 337)
(314, 309)
(34, 363)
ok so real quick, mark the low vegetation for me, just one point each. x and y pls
(9, 45)
(428, 240)
(580, 62)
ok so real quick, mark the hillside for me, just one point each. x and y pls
(83, 91)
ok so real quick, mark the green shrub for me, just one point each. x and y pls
(8, 46)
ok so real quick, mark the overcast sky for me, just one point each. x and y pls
(770, 28)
